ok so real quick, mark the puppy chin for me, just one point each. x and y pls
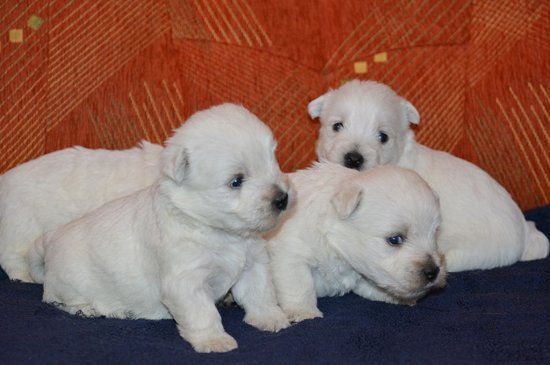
(259, 221)
(408, 297)
(369, 157)
(247, 229)
(265, 224)
(269, 220)
(410, 293)
(274, 206)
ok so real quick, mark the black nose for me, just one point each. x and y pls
(353, 160)
(430, 272)
(281, 200)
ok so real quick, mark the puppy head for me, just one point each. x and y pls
(385, 225)
(219, 167)
(363, 124)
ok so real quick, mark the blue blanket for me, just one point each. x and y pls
(493, 316)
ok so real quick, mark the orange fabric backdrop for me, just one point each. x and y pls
(109, 73)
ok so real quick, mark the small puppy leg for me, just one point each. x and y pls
(295, 289)
(194, 310)
(255, 292)
(14, 265)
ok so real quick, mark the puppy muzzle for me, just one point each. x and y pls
(353, 160)
(280, 201)
(430, 272)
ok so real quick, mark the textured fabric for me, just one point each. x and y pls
(108, 73)
(482, 317)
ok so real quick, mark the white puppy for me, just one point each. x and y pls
(54, 189)
(173, 249)
(365, 124)
(370, 232)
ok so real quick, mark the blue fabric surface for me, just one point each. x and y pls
(481, 317)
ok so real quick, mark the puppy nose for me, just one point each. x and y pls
(281, 200)
(430, 272)
(353, 160)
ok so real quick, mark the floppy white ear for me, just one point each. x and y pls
(411, 112)
(175, 163)
(346, 201)
(315, 107)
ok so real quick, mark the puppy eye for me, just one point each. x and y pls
(383, 137)
(395, 240)
(237, 181)
(337, 127)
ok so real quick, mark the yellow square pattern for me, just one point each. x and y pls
(16, 35)
(35, 22)
(381, 57)
(360, 67)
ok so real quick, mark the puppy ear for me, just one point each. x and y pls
(315, 107)
(410, 111)
(346, 201)
(176, 163)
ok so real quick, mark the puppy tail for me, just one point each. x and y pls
(536, 244)
(35, 260)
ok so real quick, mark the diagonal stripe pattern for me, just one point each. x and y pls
(108, 73)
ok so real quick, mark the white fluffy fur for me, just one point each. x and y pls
(334, 238)
(54, 189)
(173, 249)
(482, 226)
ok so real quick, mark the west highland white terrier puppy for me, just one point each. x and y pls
(370, 232)
(56, 188)
(173, 249)
(366, 124)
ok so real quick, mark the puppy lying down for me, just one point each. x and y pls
(370, 232)
(54, 189)
(365, 124)
(173, 249)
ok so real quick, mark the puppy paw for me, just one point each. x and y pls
(22, 277)
(219, 343)
(298, 315)
(273, 320)
(77, 310)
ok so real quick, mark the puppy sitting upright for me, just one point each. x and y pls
(172, 250)
(365, 124)
(371, 232)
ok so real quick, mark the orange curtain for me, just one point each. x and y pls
(109, 73)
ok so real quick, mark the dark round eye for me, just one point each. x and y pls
(337, 127)
(383, 137)
(237, 181)
(395, 240)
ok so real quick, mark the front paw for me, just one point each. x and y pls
(21, 276)
(301, 314)
(272, 320)
(218, 343)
